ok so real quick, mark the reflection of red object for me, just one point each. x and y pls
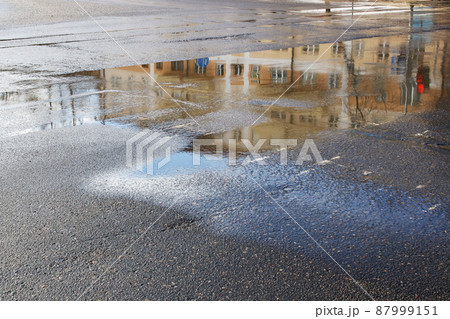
(419, 80)
(420, 88)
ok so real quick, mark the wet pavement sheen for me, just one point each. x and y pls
(379, 204)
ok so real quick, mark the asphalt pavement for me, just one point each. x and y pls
(370, 224)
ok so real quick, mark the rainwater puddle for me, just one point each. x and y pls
(289, 93)
(182, 163)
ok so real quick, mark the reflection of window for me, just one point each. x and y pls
(177, 65)
(278, 75)
(309, 78)
(237, 69)
(145, 66)
(177, 94)
(383, 51)
(115, 81)
(333, 81)
(311, 49)
(338, 48)
(219, 69)
(276, 115)
(381, 97)
(333, 120)
(159, 66)
(358, 48)
(200, 70)
(255, 73)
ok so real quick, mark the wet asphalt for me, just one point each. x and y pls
(380, 208)
(59, 237)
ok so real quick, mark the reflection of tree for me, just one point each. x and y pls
(443, 75)
(327, 6)
(408, 84)
(292, 65)
(367, 103)
(364, 102)
(412, 86)
(355, 82)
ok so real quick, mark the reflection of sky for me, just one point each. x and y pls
(422, 21)
(182, 164)
(331, 211)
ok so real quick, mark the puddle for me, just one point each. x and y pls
(182, 163)
(294, 93)
(326, 86)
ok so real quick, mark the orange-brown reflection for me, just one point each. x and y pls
(353, 82)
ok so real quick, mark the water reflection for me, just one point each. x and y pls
(355, 82)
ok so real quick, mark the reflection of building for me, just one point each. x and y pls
(401, 76)
(290, 124)
(352, 81)
(367, 75)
